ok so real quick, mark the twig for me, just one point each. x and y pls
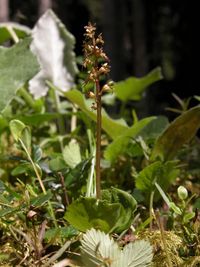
(66, 199)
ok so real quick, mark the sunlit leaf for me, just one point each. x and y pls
(113, 213)
(112, 127)
(53, 45)
(17, 66)
(72, 154)
(20, 30)
(133, 88)
(17, 128)
(119, 145)
(179, 132)
(99, 249)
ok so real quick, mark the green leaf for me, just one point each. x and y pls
(21, 132)
(119, 145)
(55, 53)
(41, 199)
(112, 127)
(113, 213)
(161, 173)
(85, 213)
(6, 211)
(99, 249)
(16, 128)
(62, 232)
(133, 88)
(22, 168)
(179, 132)
(20, 30)
(188, 217)
(154, 128)
(57, 164)
(72, 154)
(37, 119)
(17, 66)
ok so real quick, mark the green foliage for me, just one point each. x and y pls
(113, 213)
(20, 30)
(133, 88)
(17, 66)
(98, 249)
(179, 132)
(119, 145)
(112, 127)
(162, 173)
(72, 154)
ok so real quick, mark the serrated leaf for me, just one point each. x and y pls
(72, 154)
(133, 88)
(112, 127)
(179, 132)
(17, 66)
(20, 30)
(99, 249)
(53, 45)
(138, 254)
(119, 145)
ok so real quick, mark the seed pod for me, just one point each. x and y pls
(182, 192)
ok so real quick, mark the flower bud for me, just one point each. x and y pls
(182, 192)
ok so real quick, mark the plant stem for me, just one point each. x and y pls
(40, 181)
(98, 141)
(151, 209)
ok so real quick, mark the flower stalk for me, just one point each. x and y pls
(97, 64)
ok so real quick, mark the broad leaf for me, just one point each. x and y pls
(53, 45)
(20, 131)
(20, 30)
(72, 154)
(99, 249)
(154, 128)
(113, 213)
(133, 88)
(17, 128)
(119, 145)
(162, 173)
(17, 66)
(179, 132)
(86, 213)
(37, 119)
(112, 127)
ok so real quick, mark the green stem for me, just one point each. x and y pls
(98, 141)
(40, 181)
(151, 209)
(28, 98)
(61, 126)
